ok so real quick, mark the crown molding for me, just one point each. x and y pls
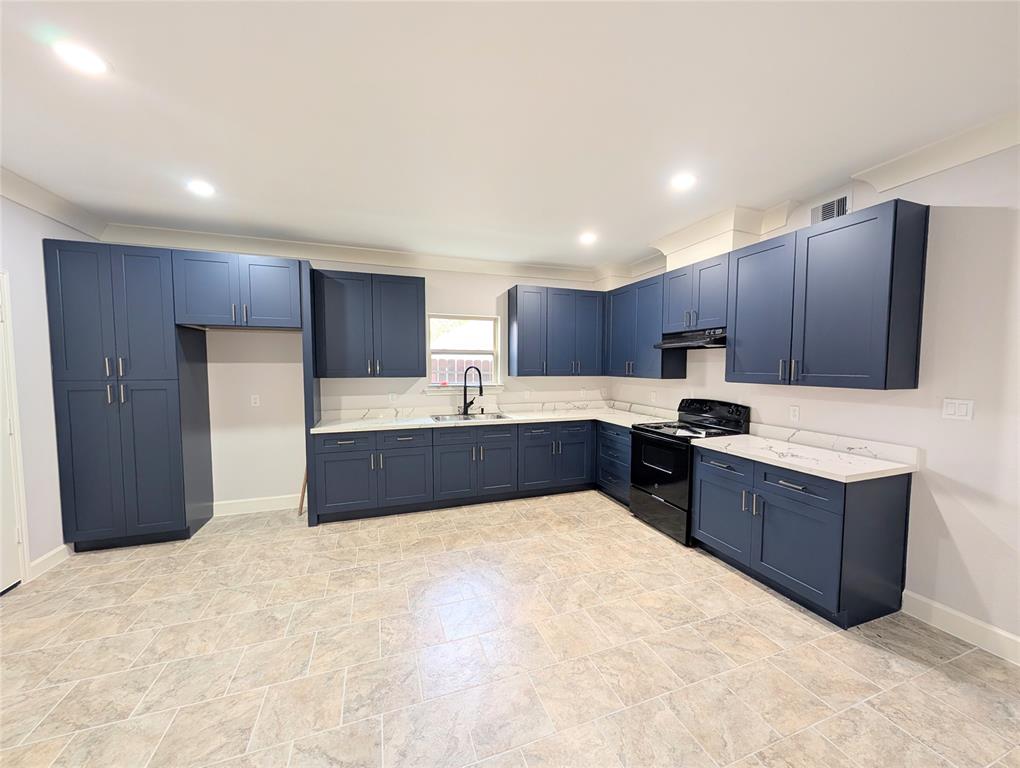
(20, 190)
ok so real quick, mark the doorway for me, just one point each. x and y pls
(12, 549)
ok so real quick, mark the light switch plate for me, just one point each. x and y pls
(256, 401)
(795, 414)
(962, 410)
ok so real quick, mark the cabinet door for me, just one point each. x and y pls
(841, 301)
(150, 428)
(79, 298)
(575, 457)
(89, 454)
(405, 476)
(561, 351)
(621, 330)
(798, 546)
(453, 469)
(588, 333)
(346, 482)
(759, 321)
(647, 359)
(711, 278)
(722, 515)
(143, 309)
(270, 292)
(206, 288)
(398, 325)
(497, 467)
(528, 305)
(536, 462)
(343, 324)
(677, 298)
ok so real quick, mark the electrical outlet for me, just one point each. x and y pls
(962, 410)
(256, 401)
(393, 397)
(795, 414)
(652, 396)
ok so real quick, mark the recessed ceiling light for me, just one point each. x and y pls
(79, 57)
(201, 188)
(683, 181)
(587, 238)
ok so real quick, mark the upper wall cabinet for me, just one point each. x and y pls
(554, 331)
(633, 328)
(851, 298)
(110, 311)
(694, 296)
(368, 325)
(227, 289)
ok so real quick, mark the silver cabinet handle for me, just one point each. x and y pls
(743, 500)
(694, 317)
(244, 310)
(402, 439)
(553, 446)
(109, 394)
(380, 460)
(720, 465)
(369, 366)
(560, 448)
(371, 461)
(120, 366)
(543, 367)
(793, 369)
(794, 486)
(687, 318)
(481, 453)
(106, 366)
(378, 368)
(578, 367)
(345, 442)
(782, 369)
(754, 504)
(473, 457)
(233, 313)
(122, 398)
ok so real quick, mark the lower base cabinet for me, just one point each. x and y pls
(346, 481)
(405, 476)
(556, 455)
(839, 549)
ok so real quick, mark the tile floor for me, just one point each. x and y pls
(547, 632)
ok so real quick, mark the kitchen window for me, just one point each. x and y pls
(459, 341)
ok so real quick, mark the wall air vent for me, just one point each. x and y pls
(829, 210)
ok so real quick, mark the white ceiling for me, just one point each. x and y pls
(488, 131)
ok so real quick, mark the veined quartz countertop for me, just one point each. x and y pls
(843, 466)
(610, 416)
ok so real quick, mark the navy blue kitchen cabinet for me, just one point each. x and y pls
(612, 467)
(405, 476)
(694, 296)
(270, 292)
(575, 446)
(150, 432)
(759, 326)
(677, 299)
(89, 452)
(368, 325)
(229, 289)
(588, 332)
(633, 327)
(143, 311)
(527, 316)
(536, 456)
(455, 470)
(497, 466)
(555, 455)
(79, 289)
(475, 461)
(647, 360)
(346, 481)
(574, 332)
(838, 549)
(621, 330)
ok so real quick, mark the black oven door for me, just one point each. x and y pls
(661, 468)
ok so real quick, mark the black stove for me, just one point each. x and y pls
(660, 466)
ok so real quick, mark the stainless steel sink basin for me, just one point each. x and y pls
(470, 417)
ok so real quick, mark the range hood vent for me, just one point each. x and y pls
(712, 338)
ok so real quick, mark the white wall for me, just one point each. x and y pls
(964, 517)
(21, 233)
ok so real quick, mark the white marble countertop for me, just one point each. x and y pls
(844, 466)
(610, 416)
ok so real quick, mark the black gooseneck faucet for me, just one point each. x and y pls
(481, 391)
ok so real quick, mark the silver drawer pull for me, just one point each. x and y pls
(345, 442)
(743, 500)
(405, 438)
(720, 465)
(794, 486)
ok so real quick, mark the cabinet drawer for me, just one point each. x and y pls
(574, 427)
(614, 431)
(535, 432)
(724, 465)
(612, 450)
(613, 474)
(497, 433)
(350, 441)
(404, 438)
(452, 435)
(797, 486)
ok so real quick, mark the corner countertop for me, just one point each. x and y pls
(607, 415)
(842, 466)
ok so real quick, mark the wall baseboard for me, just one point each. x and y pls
(980, 633)
(258, 504)
(54, 557)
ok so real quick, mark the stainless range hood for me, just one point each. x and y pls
(711, 338)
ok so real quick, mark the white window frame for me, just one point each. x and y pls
(496, 352)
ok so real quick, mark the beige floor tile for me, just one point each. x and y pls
(274, 757)
(712, 598)
(433, 592)
(570, 635)
(623, 620)
(100, 656)
(807, 749)
(669, 608)
(635, 673)
(250, 597)
(997, 709)
(468, 617)
(21, 712)
(453, 666)
(96, 701)
(410, 631)
(783, 624)
(870, 740)
(580, 747)
(612, 585)
(299, 708)
(172, 610)
(188, 681)
(336, 560)
(378, 603)
(913, 639)
(649, 735)
(255, 626)
(166, 586)
(749, 591)
(825, 676)
(326, 612)
(339, 647)
(688, 654)
(559, 688)
(129, 742)
(961, 740)
(400, 572)
(29, 634)
(880, 665)
(275, 661)
(652, 576)
(1011, 760)
(299, 588)
(106, 595)
(723, 725)
(434, 733)
(504, 715)
(351, 580)
(990, 669)
(784, 703)
(24, 671)
(179, 641)
(739, 641)
(567, 595)
(358, 745)
(512, 759)
(515, 650)
(381, 686)
(212, 730)
(379, 553)
(523, 605)
(37, 755)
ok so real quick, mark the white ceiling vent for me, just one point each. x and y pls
(829, 210)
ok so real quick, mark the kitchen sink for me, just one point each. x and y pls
(470, 417)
